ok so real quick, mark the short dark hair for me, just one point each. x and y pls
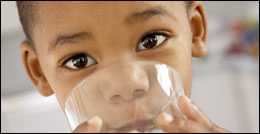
(26, 14)
(27, 11)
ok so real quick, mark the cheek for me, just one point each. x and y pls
(63, 86)
(177, 54)
(183, 62)
(61, 90)
(60, 85)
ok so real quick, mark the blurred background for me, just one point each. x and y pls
(225, 83)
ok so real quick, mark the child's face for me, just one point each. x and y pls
(72, 41)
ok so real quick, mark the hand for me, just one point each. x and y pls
(94, 125)
(189, 120)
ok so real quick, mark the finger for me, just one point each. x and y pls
(133, 131)
(94, 125)
(168, 124)
(170, 116)
(192, 112)
(194, 120)
(219, 129)
(164, 121)
(190, 126)
(195, 127)
(176, 112)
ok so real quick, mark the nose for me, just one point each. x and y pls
(124, 83)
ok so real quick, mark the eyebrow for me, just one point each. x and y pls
(63, 38)
(134, 18)
(142, 16)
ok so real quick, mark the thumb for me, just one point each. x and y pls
(93, 125)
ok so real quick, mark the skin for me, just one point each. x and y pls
(113, 36)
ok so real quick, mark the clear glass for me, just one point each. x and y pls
(126, 96)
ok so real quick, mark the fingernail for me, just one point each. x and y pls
(95, 120)
(167, 117)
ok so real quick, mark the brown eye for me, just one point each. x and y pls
(151, 40)
(79, 61)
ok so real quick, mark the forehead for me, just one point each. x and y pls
(54, 18)
(99, 7)
(60, 12)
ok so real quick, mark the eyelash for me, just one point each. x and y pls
(164, 33)
(87, 58)
(153, 33)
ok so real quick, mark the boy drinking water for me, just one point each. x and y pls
(68, 41)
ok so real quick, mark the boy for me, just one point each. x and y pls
(67, 41)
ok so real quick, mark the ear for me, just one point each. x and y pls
(198, 23)
(33, 69)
